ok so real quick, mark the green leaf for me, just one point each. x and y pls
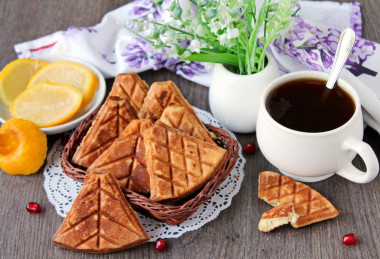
(211, 51)
(224, 58)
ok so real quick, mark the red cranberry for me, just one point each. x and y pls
(350, 239)
(160, 245)
(249, 148)
(33, 207)
(64, 140)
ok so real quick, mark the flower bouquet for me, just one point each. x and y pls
(235, 33)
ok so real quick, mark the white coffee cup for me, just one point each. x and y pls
(312, 157)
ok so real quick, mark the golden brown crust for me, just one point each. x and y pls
(284, 210)
(125, 158)
(277, 216)
(121, 107)
(178, 164)
(181, 119)
(310, 205)
(100, 219)
(131, 87)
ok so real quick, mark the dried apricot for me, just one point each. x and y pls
(23, 147)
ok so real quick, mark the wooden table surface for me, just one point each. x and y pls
(234, 233)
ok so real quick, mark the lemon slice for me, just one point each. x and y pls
(15, 76)
(68, 73)
(47, 104)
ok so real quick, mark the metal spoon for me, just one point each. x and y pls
(345, 45)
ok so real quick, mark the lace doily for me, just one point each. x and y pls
(62, 191)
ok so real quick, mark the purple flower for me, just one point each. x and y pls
(159, 60)
(284, 47)
(320, 46)
(187, 71)
(363, 49)
(137, 53)
(326, 60)
(171, 64)
(313, 66)
(295, 34)
(143, 8)
(356, 18)
(138, 11)
(330, 42)
(301, 24)
(315, 31)
(312, 41)
(190, 69)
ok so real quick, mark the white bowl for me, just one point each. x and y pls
(83, 112)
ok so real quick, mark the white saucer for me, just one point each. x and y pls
(83, 113)
(307, 179)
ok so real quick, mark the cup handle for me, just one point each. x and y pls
(364, 150)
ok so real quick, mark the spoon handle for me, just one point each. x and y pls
(345, 45)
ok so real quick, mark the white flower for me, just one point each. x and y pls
(223, 40)
(201, 30)
(169, 37)
(224, 16)
(139, 26)
(173, 52)
(195, 46)
(187, 14)
(186, 53)
(232, 33)
(158, 49)
(196, 21)
(175, 23)
(215, 26)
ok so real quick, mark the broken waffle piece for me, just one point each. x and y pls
(181, 119)
(117, 112)
(278, 216)
(311, 206)
(125, 158)
(100, 219)
(178, 164)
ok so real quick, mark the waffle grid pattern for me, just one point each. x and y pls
(309, 204)
(177, 163)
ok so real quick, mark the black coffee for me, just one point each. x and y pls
(307, 105)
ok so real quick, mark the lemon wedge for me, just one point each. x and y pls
(47, 104)
(15, 77)
(68, 73)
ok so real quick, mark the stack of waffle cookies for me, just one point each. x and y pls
(148, 141)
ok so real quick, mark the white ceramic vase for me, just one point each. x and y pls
(235, 99)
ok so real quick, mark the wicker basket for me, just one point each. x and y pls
(171, 214)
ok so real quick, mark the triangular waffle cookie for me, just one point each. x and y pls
(113, 117)
(100, 219)
(178, 164)
(179, 118)
(311, 206)
(160, 96)
(115, 114)
(130, 86)
(125, 158)
(277, 217)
